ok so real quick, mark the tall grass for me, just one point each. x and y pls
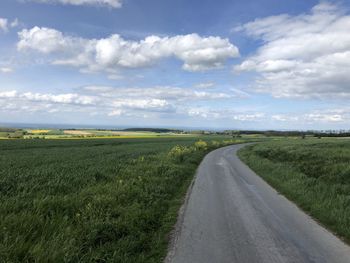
(93, 200)
(315, 174)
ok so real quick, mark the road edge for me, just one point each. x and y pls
(174, 234)
(307, 213)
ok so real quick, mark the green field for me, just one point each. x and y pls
(313, 173)
(48, 133)
(105, 200)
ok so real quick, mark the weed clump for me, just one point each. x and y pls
(179, 152)
(201, 145)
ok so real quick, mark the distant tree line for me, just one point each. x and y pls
(157, 130)
(14, 134)
(322, 133)
(3, 129)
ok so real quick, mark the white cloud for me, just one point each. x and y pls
(225, 114)
(307, 55)
(103, 3)
(328, 116)
(110, 101)
(3, 24)
(204, 113)
(46, 40)
(46, 103)
(284, 118)
(249, 117)
(122, 103)
(292, 120)
(205, 85)
(68, 98)
(325, 116)
(160, 92)
(143, 104)
(115, 113)
(6, 70)
(8, 94)
(15, 23)
(113, 53)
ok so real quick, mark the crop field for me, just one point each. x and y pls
(313, 173)
(105, 200)
(38, 131)
(12, 133)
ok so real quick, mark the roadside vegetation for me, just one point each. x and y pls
(104, 200)
(313, 173)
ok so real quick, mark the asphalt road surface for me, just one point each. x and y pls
(232, 215)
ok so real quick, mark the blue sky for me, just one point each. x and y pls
(228, 64)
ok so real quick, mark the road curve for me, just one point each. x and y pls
(232, 215)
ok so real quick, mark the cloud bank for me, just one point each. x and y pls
(114, 53)
(102, 3)
(305, 56)
(155, 102)
(111, 101)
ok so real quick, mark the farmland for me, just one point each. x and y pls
(313, 173)
(96, 200)
(12, 133)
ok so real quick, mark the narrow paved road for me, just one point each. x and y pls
(232, 215)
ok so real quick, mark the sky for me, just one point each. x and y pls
(228, 64)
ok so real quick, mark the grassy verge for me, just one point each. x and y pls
(93, 200)
(315, 174)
